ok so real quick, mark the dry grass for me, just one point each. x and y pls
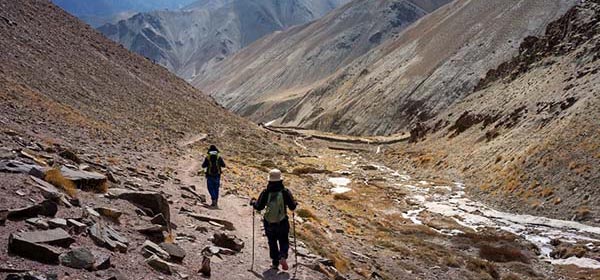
(341, 196)
(483, 267)
(306, 213)
(55, 177)
(502, 253)
(451, 261)
(170, 237)
(309, 170)
(317, 241)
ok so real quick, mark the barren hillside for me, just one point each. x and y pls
(266, 79)
(527, 136)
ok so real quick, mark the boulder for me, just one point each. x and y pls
(84, 180)
(154, 201)
(46, 208)
(48, 190)
(14, 166)
(56, 237)
(66, 154)
(176, 253)
(150, 248)
(228, 241)
(102, 262)
(23, 247)
(161, 265)
(79, 258)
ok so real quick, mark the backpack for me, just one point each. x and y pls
(213, 165)
(275, 209)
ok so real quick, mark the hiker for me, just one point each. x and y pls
(275, 198)
(213, 162)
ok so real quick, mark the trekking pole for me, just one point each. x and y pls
(295, 242)
(253, 220)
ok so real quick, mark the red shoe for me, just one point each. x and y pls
(284, 264)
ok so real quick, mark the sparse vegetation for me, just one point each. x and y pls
(55, 177)
(502, 253)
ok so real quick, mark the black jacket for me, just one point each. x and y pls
(288, 198)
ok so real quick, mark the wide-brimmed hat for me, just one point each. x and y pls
(275, 175)
(213, 148)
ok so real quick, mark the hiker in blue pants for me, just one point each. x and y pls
(213, 162)
(276, 198)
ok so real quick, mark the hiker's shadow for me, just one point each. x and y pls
(272, 274)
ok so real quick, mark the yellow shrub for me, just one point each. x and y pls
(54, 177)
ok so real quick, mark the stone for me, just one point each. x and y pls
(112, 214)
(34, 251)
(205, 269)
(200, 197)
(57, 223)
(48, 190)
(56, 237)
(161, 265)
(3, 217)
(84, 180)
(154, 201)
(46, 208)
(105, 236)
(38, 172)
(228, 241)
(66, 154)
(214, 250)
(38, 223)
(176, 253)
(159, 219)
(226, 224)
(14, 166)
(102, 262)
(76, 225)
(150, 248)
(79, 258)
(152, 230)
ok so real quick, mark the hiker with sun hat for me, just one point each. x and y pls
(276, 198)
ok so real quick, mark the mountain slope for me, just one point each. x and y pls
(408, 78)
(99, 12)
(185, 41)
(526, 138)
(265, 79)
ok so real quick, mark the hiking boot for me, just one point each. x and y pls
(284, 264)
(275, 265)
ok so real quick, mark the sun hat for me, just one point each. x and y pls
(275, 175)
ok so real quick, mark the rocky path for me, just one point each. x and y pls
(235, 209)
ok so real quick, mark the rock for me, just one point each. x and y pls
(48, 190)
(176, 253)
(147, 200)
(151, 248)
(112, 214)
(26, 248)
(112, 178)
(79, 258)
(78, 226)
(116, 275)
(13, 166)
(38, 172)
(201, 229)
(56, 237)
(102, 262)
(226, 224)
(152, 230)
(205, 269)
(46, 208)
(38, 223)
(161, 265)
(107, 237)
(200, 197)
(214, 250)
(66, 154)
(84, 180)
(3, 217)
(57, 223)
(228, 241)
(159, 220)
(92, 212)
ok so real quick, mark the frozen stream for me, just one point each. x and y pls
(451, 201)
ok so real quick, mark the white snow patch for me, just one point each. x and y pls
(580, 262)
(270, 123)
(339, 190)
(339, 181)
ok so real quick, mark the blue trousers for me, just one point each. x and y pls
(279, 242)
(213, 183)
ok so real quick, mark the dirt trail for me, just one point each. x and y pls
(236, 210)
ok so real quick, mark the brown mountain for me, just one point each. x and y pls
(270, 76)
(408, 78)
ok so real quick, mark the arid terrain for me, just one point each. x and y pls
(100, 153)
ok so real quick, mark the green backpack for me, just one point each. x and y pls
(275, 210)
